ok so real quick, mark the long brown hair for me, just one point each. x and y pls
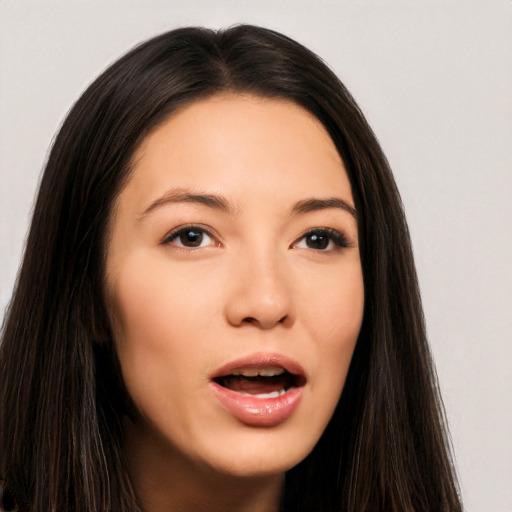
(62, 397)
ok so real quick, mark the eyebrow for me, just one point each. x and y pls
(218, 202)
(187, 196)
(313, 204)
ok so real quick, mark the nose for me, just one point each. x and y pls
(260, 295)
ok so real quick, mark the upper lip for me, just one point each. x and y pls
(261, 361)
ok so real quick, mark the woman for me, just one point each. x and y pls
(218, 307)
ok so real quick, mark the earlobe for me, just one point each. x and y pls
(100, 330)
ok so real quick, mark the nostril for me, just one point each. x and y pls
(264, 322)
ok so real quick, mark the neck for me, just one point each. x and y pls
(165, 480)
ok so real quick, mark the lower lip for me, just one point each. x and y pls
(258, 412)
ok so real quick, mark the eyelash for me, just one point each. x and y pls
(331, 234)
(178, 232)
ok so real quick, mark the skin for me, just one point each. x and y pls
(255, 284)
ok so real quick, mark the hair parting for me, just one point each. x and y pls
(386, 446)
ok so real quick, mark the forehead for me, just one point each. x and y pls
(232, 143)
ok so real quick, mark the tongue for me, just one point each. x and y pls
(254, 386)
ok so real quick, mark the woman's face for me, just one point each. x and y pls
(234, 284)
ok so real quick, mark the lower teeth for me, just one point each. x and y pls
(273, 394)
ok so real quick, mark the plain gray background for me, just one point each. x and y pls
(434, 80)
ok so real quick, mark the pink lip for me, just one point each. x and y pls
(250, 409)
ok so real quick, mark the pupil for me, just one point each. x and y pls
(191, 238)
(317, 241)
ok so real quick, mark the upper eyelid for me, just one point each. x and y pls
(322, 228)
(333, 232)
(173, 233)
(338, 236)
(328, 230)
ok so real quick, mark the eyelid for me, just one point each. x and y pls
(336, 236)
(171, 235)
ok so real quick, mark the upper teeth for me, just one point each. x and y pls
(271, 371)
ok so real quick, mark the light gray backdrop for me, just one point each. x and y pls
(434, 79)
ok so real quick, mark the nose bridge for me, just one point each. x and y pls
(262, 294)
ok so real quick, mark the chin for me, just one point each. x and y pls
(258, 453)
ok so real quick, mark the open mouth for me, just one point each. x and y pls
(264, 382)
(260, 390)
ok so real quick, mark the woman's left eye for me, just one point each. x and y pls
(189, 237)
(321, 239)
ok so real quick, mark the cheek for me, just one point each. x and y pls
(333, 318)
(155, 326)
(151, 299)
(335, 305)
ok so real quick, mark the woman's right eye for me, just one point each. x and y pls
(189, 237)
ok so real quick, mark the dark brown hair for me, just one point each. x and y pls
(62, 397)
